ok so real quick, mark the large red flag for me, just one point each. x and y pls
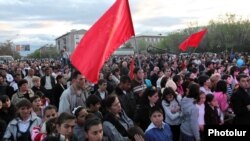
(131, 69)
(102, 39)
(193, 40)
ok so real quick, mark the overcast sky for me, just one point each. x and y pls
(38, 22)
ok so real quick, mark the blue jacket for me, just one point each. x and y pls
(158, 134)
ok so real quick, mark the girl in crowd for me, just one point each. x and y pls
(201, 106)
(149, 99)
(36, 106)
(172, 109)
(20, 128)
(8, 111)
(116, 122)
(40, 132)
(211, 112)
(220, 95)
(80, 113)
(190, 127)
(64, 128)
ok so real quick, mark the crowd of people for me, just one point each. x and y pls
(168, 98)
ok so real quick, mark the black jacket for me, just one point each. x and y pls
(239, 101)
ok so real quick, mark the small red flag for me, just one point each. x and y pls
(131, 69)
(102, 39)
(193, 40)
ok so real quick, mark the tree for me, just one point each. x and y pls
(45, 51)
(8, 48)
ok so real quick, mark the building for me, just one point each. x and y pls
(69, 40)
(146, 40)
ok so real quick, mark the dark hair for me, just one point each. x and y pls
(21, 82)
(49, 107)
(78, 110)
(75, 74)
(136, 70)
(51, 126)
(202, 79)
(23, 103)
(63, 117)
(164, 81)
(92, 99)
(149, 92)
(32, 99)
(209, 98)
(168, 91)
(125, 79)
(110, 100)
(221, 86)
(59, 77)
(194, 91)
(233, 69)
(176, 79)
(136, 130)
(240, 76)
(225, 77)
(101, 81)
(154, 110)
(91, 122)
(4, 98)
(201, 92)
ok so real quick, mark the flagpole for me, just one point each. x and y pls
(137, 49)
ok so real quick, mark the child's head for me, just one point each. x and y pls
(36, 102)
(51, 126)
(168, 94)
(210, 100)
(93, 102)
(202, 98)
(156, 116)
(102, 84)
(24, 108)
(93, 129)
(49, 112)
(65, 124)
(80, 113)
(5, 101)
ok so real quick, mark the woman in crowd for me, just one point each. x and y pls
(149, 99)
(20, 128)
(172, 110)
(116, 122)
(212, 111)
(190, 126)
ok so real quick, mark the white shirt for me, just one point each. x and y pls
(201, 113)
(48, 85)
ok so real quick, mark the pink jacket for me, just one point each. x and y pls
(222, 100)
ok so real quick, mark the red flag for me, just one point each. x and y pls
(131, 69)
(102, 39)
(193, 40)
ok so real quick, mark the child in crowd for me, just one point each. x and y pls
(20, 128)
(8, 111)
(93, 104)
(80, 113)
(201, 106)
(158, 130)
(40, 132)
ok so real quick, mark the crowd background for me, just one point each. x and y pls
(169, 97)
